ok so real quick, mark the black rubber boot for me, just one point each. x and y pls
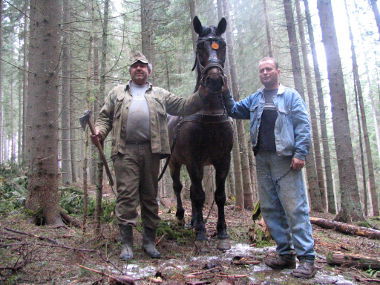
(126, 232)
(149, 243)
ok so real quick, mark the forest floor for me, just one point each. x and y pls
(32, 254)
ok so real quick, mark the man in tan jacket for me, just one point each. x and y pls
(137, 115)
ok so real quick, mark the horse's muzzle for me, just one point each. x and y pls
(214, 79)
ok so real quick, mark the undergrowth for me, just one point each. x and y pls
(13, 194)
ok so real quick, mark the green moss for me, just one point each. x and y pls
(174, 232)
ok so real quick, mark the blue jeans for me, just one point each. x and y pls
(284, 205)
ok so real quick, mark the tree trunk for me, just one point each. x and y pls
(247, 185)
(208, 183)
(65, 113)
(350, 210)
(322, 116)
(25, 83)
(346, 228)
(267, 29)
(85, 181)
(358, 89)
(376, 14)
(192, 15)
(353, 260)
(1, 82)
(42, 110)
(313, 114)
(239, 192)
(147, 30)
(312, 178)
(97, 104)
(11, 121)
(103, 60)
(73, 133)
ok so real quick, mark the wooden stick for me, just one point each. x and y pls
(346, 228)
(360, 261)
(120, 279)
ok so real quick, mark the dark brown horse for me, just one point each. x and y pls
(204, 138)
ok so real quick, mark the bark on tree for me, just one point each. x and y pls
(375, 11)
(192, 15)
(11, 123)
(239, 193)
(365, 202)
(147, 30)
(1, 82)
(73, 134)
(25, 81)
(247, 184)
(97, 104)
(346, 228)
(42, 110)
(350, 210)
(368, 152)
(312, 178)
(103, 60)
(353, 260)
(19, 93)
(313, 114)
(65, 113)
(208, 183)
(236, 155)
(322, 116)
(267, 29)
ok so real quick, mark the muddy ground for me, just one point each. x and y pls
(45, 255)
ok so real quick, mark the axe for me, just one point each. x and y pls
(85, 120)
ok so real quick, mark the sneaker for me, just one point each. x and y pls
(281, 261)
(306, 269)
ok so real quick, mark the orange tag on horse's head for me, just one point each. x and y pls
(215, 45)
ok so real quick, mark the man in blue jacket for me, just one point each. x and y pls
(280, 134)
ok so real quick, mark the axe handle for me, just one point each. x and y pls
(101, 153)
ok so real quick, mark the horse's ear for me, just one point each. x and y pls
(198, 28)
(221, 26)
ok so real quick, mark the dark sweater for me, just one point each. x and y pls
(266, 139)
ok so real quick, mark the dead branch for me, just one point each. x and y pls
(346, 228)
(54, 242)
(68, 220)
(353, 260)
(118, 279)
(231, 276)
(32, 235)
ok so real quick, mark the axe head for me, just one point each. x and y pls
(85, 119)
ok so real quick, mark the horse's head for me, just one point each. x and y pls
(210, 54)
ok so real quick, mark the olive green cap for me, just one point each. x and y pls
(138, 56)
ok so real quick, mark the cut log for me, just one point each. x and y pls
(346, 228)
(353, 260)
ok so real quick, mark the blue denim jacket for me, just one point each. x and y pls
(292, 127)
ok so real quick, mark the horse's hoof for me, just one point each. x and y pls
(223, 244)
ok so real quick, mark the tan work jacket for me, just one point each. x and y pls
(160, 102)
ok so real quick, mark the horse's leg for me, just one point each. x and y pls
(197, 196)
(175, 171)
(221, 172)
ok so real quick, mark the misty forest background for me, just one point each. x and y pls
(60, 58)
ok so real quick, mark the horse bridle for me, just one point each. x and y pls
(203, 69)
